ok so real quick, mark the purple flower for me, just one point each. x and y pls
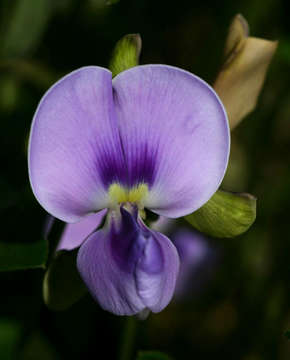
(198, 259)
(155, 137)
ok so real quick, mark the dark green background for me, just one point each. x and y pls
(243, 312)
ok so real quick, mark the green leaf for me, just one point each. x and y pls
(20, 256)
(37, 346)
(287, 334)
(62, 285)
(112, 2)
(10, 331)
(126, 53)
(152, 355)
(225, 215)
(25, 26)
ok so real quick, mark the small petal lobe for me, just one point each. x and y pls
(129, 268)
(75, 234)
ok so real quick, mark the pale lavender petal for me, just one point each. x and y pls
(75, 234)
(163, 224)
(156, 291)
(75, 149)
(175, 136)
(197, 261)
(129, 268)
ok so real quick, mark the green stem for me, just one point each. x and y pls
(128, 338)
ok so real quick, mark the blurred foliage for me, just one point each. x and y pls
(62, 284)
(152, 355)
(24, 27)
(244, 312)
(10, 332)
(17, 256)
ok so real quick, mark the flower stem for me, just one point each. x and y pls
(128, 338)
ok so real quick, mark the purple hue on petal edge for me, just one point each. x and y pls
(132, 245)
(74, 147)
(127, 275)
(75, 234)
(175, 136)
(197, 261)
(156, 124)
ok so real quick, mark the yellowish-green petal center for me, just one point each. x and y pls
(136, 195)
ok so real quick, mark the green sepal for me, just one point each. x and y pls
(126, 53)
(225, 215)
(62, 285)
(152, 355)
(21, 256)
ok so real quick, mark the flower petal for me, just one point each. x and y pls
(128, 268)
(75, 234)
(175, 136)
(198, 259)
(163, 224)
(241, 78)
(74, 146)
